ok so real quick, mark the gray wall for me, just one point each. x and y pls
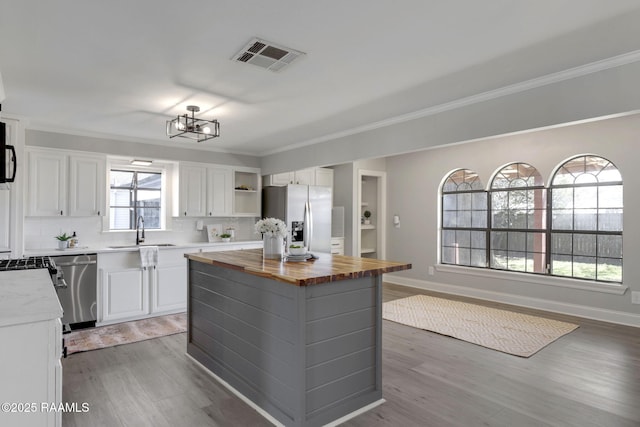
(606, 92)
(413, 193)
(136, 149)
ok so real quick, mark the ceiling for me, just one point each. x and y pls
(122, 68)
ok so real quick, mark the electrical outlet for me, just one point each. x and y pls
(431, 270)
(635, 297)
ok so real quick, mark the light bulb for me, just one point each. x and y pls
(206, 129)
(179, 125)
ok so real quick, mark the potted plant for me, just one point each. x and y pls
(226, 237)
(63, 240)
(367, 215)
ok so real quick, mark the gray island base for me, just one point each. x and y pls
(304, 355)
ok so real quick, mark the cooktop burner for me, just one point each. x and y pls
(28, 264)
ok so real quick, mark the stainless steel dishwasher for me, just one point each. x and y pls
(78, 297)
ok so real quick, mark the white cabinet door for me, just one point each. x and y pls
(193, 187)
(281, 179)
(219, 194)
(169, 289)
(324, 177)
(125, 294)
(31, 373)
(86, 185)
(5, 220)
(47, 183)
(305, 177)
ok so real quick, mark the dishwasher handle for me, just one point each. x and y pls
(74, 263)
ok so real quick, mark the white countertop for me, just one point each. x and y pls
(27, 296)
(108, 249)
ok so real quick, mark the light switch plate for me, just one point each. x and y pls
(635, 297)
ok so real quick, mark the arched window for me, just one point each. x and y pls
(518, 219)
(464, 220)
(586, 225)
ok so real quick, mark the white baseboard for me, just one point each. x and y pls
(268, 416)
(242, 397)
(612, 316)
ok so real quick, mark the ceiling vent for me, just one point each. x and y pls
(267, 55)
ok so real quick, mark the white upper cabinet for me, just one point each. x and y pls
(207, 190)
(193, 190)
(219, 195)
(310, 176)
(47, 183)
(87, 176)
(324, 177)
(280, 179)
(305, 177)
(57, 177)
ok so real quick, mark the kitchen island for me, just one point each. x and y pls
(300, 341)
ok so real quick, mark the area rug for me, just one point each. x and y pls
(125, 333)
(513, 333)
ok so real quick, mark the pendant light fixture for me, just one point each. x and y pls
(193, 128)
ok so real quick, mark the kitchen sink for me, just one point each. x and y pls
(142, 245)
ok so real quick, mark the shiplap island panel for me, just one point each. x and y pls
(302, 340)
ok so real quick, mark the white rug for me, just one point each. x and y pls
(514, 333)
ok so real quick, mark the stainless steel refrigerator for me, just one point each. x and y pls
(306, 209)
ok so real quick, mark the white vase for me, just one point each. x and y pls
(272, 247)
(63, 244)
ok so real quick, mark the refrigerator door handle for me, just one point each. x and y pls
(305, 230)
(310, 227)
(14, 161)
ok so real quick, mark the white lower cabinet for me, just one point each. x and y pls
(169, 289)
(125, 294)
(129, 292)
(31, 374)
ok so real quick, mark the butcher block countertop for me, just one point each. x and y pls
(327, 268)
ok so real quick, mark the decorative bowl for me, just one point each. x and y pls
(297, 251)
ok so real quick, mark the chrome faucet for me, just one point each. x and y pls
(138, 238)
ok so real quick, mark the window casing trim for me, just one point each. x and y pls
(165, 168)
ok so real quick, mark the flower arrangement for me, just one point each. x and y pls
(271, 227)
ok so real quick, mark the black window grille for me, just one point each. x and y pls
(134, 194)
(464, 220)
(571, 229)
(586, 220)
(518, 219)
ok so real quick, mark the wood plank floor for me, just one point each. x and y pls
(590, 377)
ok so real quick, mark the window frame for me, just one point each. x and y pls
(546, 276)
(134, 201)
(165, 169)
(597, 232)
(526, 231)
(470, 229)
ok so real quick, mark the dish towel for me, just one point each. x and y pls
(148, 257)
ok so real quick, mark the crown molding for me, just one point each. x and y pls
(568, 74)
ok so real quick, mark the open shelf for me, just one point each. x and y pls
(368, 227)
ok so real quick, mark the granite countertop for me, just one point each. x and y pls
(27, 296)
(327, 268)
